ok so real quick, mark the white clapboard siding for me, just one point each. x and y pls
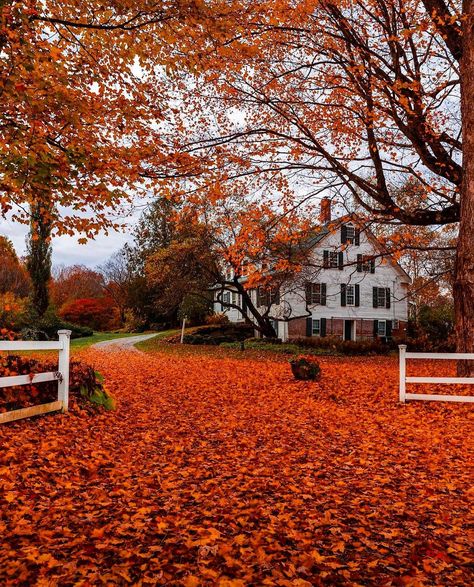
(61, 376)
(404, 396)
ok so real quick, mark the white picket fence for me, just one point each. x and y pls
(404, 396)
(61, 375)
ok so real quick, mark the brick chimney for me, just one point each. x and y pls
(325, 212)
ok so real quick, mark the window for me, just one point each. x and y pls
(226, 297)
(365, 264)
(316, 294)
(350, 295)
(350, 234)
(267, 297)
(333, 259)
(382, 328)
(234, 297)
(316, 328)
(381, 297)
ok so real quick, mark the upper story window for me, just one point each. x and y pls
(267, 296)
(333, 259)
(365, 264)
(350, 295)
(316, 294)
(226, 297)
(350, 234)
(381, 297)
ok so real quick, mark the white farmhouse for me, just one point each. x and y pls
(358, 291)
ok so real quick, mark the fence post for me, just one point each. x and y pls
(63, 368)
(403, 371)
(182, 330)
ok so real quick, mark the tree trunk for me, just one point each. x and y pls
(39, 255)
(464, 277)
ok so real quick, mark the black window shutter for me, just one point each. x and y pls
(376, 327)
(374, 296)
(357, 294)
(359, 263)
(322, 327)
(325, 259)
(343, 234)
(244, 305)
(309, 326)
(308, 293)
(343, 294)
(387, 297)
(277, 297)
(341, 260)
(372, 265)
(388, 331)
(357, 237)
(323, 294)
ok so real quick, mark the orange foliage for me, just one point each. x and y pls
(229, 472)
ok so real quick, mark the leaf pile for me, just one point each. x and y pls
(231, 473)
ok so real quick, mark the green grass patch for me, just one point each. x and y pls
(154, 344)
(87, 341)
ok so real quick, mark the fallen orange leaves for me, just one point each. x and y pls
(217, 471)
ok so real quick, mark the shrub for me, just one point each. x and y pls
(46, 328)
(344, 347)
(305, 368)
(95, 313)
(217, 319)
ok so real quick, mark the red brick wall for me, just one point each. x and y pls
(297, 327)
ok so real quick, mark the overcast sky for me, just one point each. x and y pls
(66, 249)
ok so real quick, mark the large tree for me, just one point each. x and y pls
(360, 96)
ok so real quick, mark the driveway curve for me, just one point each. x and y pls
(121, 344)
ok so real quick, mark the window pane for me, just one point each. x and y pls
(316, 326)
(382, 328)
(350, 232)
(333, 259)
(381, 297)
(350, 295)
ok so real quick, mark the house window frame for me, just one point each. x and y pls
(350, 294)
(382, 332)
(381, 291)
(315, 294)
(350, 238)
(315, 327)
(367, 263)
(333, 260)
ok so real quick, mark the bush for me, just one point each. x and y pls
(95, 313)
(217, 319)
(46, 328)
(305, 368)
(84, 383)
(344, 347)
(215, 334)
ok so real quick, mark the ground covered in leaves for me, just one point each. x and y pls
(218, 471)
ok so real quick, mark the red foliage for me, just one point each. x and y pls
(96, 313)
(226, 472)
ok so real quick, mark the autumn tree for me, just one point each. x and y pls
(13, 275)
(75, 282)
(357, 97)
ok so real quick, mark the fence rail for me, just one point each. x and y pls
(61, 375)
(404, 396)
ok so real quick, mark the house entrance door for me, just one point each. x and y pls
(349, 330)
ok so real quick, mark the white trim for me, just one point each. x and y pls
(403, 396)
